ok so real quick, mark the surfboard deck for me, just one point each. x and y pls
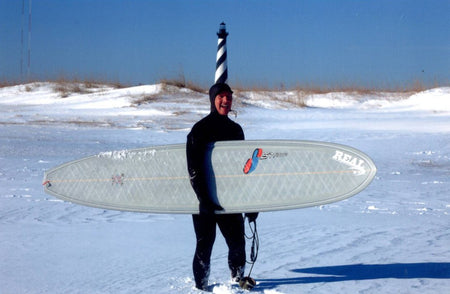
(244, 176)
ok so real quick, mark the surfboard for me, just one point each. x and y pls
(244, 176)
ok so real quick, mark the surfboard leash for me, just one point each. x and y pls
(247, 282)
(255, 244)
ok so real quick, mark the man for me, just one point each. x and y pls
(212, 128)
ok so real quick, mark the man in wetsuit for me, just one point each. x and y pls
(212, 128)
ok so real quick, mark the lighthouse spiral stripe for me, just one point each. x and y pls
(221, 61)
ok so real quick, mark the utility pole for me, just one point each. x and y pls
(29, 42)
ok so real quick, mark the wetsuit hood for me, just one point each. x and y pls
(215, 90)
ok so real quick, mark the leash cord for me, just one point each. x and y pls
(255, 244)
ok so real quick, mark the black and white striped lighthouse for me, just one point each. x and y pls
(221, 59)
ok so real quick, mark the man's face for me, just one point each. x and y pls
(223, 102)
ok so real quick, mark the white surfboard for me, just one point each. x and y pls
(245, 176)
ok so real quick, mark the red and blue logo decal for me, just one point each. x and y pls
(252, 162)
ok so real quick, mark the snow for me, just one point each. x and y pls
(391, 238)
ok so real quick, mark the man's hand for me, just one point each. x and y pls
(207, 207)
(251, 216)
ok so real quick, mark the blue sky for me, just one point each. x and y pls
(371, 43)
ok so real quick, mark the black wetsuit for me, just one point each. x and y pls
(212, 128)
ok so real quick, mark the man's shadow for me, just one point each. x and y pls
(357, 272)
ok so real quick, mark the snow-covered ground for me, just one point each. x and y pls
(394, 237)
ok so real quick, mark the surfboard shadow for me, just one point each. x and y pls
(357, 272)
(211, 178)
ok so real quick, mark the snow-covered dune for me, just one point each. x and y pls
(50, 103)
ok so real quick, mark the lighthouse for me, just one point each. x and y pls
(221, 59)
